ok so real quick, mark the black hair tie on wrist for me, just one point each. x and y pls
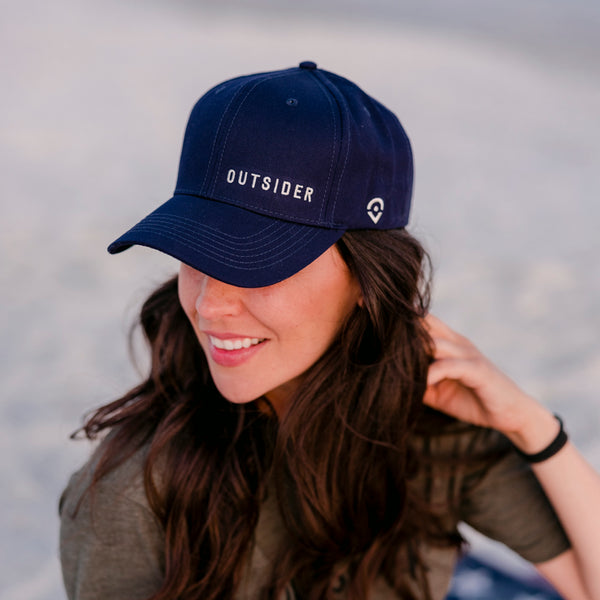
(555, 446)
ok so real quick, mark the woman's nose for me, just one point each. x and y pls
(217, 299)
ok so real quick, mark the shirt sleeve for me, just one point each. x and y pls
(111, 543)
(505, 502)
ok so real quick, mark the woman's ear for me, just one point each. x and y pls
(361, 301)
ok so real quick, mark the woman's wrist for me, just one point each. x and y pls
(554, 447)
(538, 432)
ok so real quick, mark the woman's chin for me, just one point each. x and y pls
(237, 396)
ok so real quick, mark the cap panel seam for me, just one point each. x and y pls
(231, 101)
(214, 144)
(327, 192)
(405, 142)
(343, 112)
(264, 79)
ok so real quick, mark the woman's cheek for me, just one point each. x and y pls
(187, 297)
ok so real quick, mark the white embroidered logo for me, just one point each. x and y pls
(271, 184)
(375, 209)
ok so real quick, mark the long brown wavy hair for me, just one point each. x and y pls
(339, 461)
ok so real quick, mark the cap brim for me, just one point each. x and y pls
(227, 242)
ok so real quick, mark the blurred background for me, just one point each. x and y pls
(501, 102)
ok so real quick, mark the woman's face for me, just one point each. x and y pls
(258, 341)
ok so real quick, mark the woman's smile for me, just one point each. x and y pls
(231, 350)
(258, 341)
(233, 342)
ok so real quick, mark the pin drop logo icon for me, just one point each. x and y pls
(375, 209)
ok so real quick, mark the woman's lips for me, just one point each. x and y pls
(234, 343)
(230, 350)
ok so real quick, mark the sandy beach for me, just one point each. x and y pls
(503, 112)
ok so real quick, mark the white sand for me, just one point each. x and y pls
(95, 96)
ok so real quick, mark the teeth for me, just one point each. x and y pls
(234, 344)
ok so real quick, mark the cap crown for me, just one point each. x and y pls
(302, 145)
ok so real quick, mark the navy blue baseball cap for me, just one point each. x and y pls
(275, 167)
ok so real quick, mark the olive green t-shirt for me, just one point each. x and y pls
(113, 548)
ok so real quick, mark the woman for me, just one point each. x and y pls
(307, 430)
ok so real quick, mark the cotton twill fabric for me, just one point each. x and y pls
(114, 546)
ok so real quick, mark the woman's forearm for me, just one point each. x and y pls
(573, 488)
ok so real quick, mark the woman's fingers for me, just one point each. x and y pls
(467, 370)
(445, 348)
(438, 328)
(456, 357)
(433, 323)
(464, 383)
(448, 343)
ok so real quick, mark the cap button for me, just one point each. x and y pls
(308, 64)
